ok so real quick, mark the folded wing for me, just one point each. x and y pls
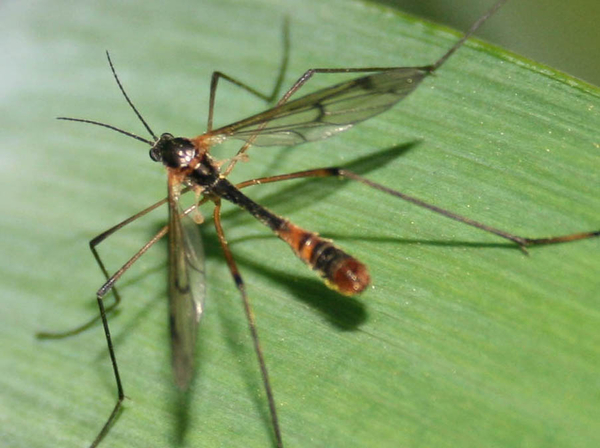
(187, 289)
(326, 112)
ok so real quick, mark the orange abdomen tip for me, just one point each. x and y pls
(341, 271)
(350, 277)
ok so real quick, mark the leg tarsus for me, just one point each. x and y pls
(105, 289)
(111, 419)
(522, 242)
(120, 393)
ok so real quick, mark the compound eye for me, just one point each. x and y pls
(154, 155)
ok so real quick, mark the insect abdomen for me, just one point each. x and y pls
(341, 271)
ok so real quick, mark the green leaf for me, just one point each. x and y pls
(462, 341)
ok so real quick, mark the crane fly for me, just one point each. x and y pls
(190, 167)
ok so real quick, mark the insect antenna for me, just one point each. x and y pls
(114, 128)
(104, 125)
(433, 67)
(128, 100)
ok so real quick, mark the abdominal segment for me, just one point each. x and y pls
(341, 271)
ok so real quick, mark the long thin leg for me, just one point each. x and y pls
(239, 283)
(109, 232)
(340, 172)
(431, 68)
(100, 298)
(93, 243)
(312, 71)
(268, 98)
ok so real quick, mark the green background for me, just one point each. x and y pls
(461, 340)
(561, 34)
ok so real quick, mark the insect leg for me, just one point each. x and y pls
(105, 289)
(239, 283)
(297, 85)
(268, 98)
(93, 243)
(311, 72)
(521, 241)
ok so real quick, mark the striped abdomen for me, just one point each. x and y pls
(341, 271)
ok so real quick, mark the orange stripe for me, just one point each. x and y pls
(341, 271)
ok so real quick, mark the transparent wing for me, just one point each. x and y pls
(328, 111)
(187, 289)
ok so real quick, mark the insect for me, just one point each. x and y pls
(191, 168)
